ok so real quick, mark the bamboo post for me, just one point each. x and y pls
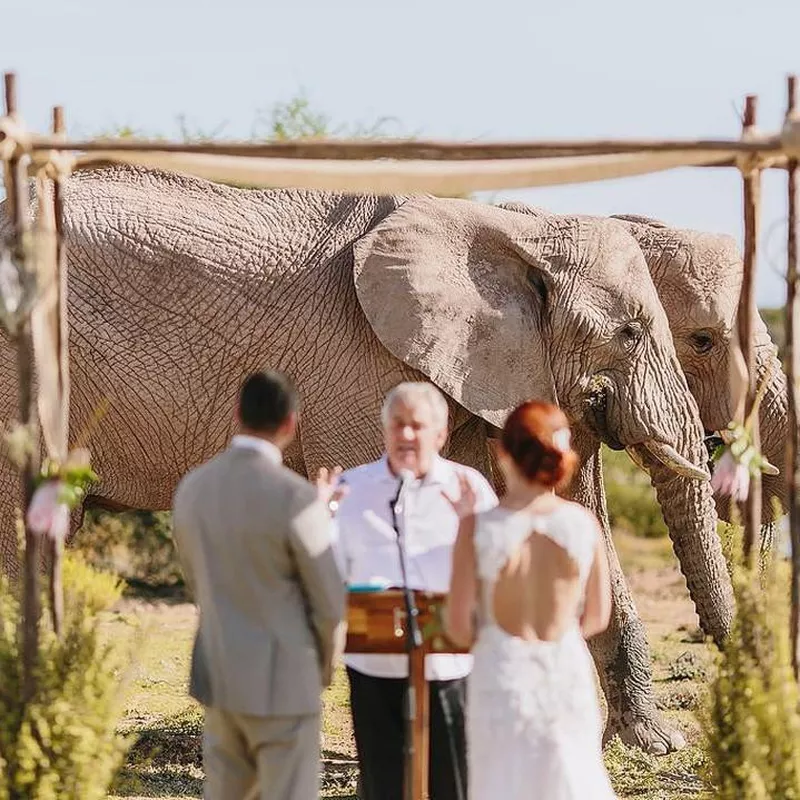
(56, 545)
(793, 374)
(751, 179)
(17, 187)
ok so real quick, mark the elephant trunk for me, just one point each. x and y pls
(687, 505)
(688, 509)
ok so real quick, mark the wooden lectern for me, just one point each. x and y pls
(376, 623)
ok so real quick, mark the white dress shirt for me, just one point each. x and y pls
(264, 447)
(367, 546)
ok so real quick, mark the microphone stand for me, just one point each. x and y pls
(413, 641)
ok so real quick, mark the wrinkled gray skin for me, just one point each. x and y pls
(179, 287)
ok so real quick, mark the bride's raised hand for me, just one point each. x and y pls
(464, 504)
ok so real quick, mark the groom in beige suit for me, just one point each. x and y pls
(255, 546)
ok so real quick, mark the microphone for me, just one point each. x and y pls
(406, 479)
(397, 507)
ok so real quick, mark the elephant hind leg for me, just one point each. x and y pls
(10, 520)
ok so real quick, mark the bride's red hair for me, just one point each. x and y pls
(536, 437)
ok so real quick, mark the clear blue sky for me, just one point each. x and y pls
(504, 69)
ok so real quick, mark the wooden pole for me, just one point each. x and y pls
(17, 184)
(793, 375)
(333, 149)
(56, 544)
(419, 770)
(746, 314)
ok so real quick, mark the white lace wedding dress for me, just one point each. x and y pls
(533, 719)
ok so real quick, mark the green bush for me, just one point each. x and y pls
(63, 742)
(751, 721)
(631, 499)
(775, 319)
(137, 545)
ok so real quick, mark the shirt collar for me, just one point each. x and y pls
(261, 445)
(439, 474)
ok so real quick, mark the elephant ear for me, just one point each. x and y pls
(458, 290)
(640, 220)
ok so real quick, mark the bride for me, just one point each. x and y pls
(533, 571)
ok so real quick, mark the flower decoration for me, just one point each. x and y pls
(737, 460)
(562, 439)
(59, 488)
(18, 441)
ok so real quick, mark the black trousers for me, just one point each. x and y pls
(379, 728)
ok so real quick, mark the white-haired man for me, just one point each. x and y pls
(414, 418)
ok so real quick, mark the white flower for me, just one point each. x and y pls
(562, 439)
(731, 477)
(47, 516)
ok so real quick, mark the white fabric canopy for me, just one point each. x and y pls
(408, 176)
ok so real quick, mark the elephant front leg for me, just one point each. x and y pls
(621, 653)
(622, 658)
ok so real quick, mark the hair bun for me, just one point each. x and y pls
(538, 439)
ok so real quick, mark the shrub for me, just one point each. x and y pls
(137, 545)
(62, 743)
(774, 318)
(750, 720)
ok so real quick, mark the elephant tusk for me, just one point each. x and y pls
(670, 457)
(636, 457)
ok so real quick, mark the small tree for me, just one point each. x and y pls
(62, 742)
(751, 721)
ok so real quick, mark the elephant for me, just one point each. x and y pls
(698, 277)
(179, 287)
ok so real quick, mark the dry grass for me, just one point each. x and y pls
(166, 760)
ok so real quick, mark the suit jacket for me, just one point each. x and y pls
(255, 546)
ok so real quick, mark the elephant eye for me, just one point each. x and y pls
(630, 333)
(702, 341)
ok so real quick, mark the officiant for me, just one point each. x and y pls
(415, 426)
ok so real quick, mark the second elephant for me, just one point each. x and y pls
(698, 277)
